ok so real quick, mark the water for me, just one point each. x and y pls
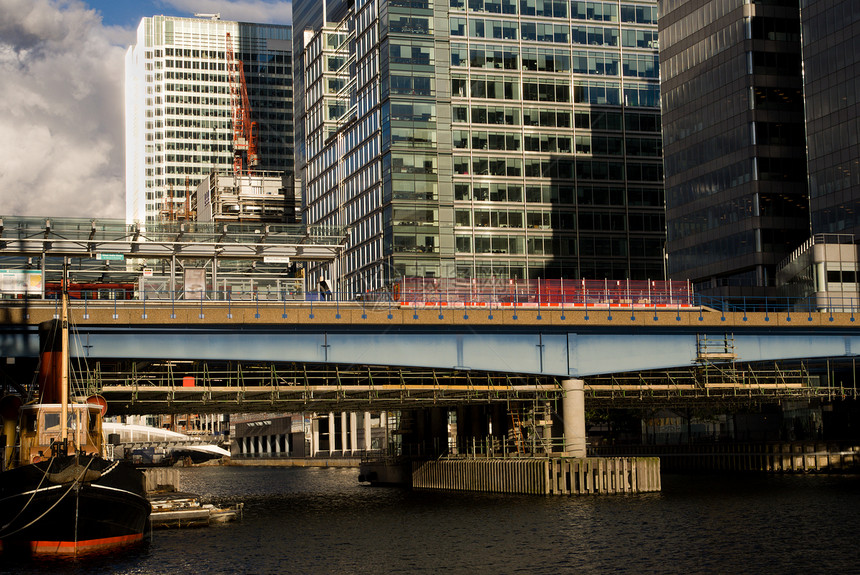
(301, 520)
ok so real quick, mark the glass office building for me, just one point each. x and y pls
(483, 138)
(831, 58)
(178, 106)
(733, 133)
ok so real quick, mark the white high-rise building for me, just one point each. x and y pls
(178, 114)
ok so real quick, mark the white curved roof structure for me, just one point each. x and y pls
(132, 433)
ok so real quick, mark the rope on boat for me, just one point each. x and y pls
(48, 510)
(32, 495)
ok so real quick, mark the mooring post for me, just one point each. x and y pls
(573, 410)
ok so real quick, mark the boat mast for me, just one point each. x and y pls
(64, 361)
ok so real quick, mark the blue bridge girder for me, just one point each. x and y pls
(548, 342)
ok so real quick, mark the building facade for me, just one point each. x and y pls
(824, 269)
(489, 138)
(734, 141)
(178, 106)
(831, 74)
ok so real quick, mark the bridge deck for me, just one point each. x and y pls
(187, 313)
(420, 355)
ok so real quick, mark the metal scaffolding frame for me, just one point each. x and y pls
(221, 387)
(180, 387)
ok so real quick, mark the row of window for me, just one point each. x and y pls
(582, 195)
(573, 267)
(540, 32)
(578, 9)
(515, 245)
(558, 168)
(556, 60)
(703, 51)
(272, 58)
(556, 143)
(546, 90)
(559, 220)
(713, 182)
(515, 116)
(559, 246)
(278, 96)
(769, 205)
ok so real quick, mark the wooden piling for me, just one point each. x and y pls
(555, 476)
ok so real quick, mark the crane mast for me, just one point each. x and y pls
(244, 130)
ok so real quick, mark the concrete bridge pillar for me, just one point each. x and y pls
(367, 432)
(573, 410)
(315, 436)
(332, 433)
(344, 427)
(353, 432)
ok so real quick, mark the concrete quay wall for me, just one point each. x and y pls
(779, 457)
(551, 476)
(294, 462)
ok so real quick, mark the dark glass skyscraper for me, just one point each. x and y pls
(734, 143)
(831, 58)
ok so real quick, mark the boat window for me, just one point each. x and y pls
(51, 420)
(29, 423)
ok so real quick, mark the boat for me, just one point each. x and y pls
(179, 509)
(58, 494)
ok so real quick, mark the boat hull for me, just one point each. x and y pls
(70, 506)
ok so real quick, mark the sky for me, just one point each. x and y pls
(62, 131)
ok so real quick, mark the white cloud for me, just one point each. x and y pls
(61, 111)
(264, 11)
(61, 103)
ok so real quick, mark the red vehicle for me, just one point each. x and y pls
(91, 291)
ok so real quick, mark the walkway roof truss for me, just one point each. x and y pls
(85, 238)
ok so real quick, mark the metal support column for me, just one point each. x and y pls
(215, 278)
(173, 277)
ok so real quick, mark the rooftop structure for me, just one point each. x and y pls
(259, 197)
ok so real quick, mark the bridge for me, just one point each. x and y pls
(141, 354)
(157, 331)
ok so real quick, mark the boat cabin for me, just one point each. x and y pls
(40, 427)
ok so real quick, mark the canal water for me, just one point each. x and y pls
(303, 520)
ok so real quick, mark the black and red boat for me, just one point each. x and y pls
(58, 495)
(71, 505)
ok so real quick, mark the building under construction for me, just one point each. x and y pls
(255, 197)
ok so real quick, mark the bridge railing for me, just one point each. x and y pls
(538, 292)
(435, 292)
(845, 303)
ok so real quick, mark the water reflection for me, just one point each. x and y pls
(323, 521)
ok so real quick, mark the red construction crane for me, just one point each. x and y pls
(244, 130)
